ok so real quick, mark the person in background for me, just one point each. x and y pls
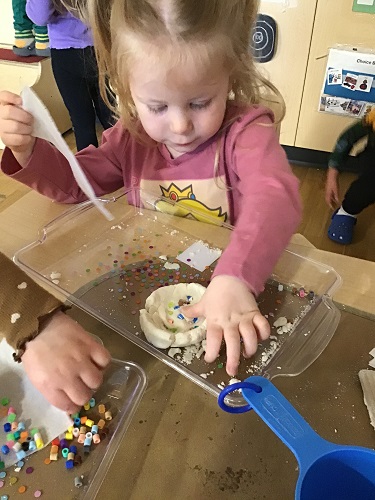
(61, 359)
(190, 121)
(29, 39)
(361, 192)
(75, 69)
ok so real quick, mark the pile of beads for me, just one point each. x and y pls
(85, 430)
(18, 439)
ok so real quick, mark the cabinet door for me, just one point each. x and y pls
(335, 23)
(288, 68)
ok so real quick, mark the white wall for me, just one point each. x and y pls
(6, 22)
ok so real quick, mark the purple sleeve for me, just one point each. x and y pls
(270, 206)
(41, 12)
(49, 173)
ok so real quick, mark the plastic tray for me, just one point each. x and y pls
(109, 268)
(121, 392)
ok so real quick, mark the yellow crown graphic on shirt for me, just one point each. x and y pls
(186, 205)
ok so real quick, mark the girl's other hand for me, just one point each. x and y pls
(232, 314)
(65, 363)
(16, 127)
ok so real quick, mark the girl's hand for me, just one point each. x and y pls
(16, 127)
(231, 313)
(332, 188)
(65, 363)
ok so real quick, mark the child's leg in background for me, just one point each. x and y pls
(361, 192)
(92, 77)
(29, 39)
(24, 44)
(41, 41)
(69, 70)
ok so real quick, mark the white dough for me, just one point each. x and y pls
(159, 320)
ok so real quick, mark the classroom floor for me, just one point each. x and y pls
(316, 215)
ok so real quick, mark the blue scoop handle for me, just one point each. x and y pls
(276, 411)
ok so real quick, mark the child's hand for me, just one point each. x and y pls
(16, 127)
(65, 363)
(332, 188)
(231, 312)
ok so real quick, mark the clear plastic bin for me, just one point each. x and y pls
(109, 268)
(122, 389)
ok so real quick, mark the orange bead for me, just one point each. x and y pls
(22, 489)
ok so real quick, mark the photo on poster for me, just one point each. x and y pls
(343, 107)
(364, 83)
(355, 108)
(334, 76)
(350, 81)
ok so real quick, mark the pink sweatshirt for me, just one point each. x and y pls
(263, 203)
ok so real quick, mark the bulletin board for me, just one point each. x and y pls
(349, 82)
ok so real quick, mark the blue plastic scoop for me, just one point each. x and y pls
(326, 471)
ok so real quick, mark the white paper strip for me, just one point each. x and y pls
(45, 128)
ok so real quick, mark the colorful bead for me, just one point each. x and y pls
(17, 447)
(101, 409)
(78, 482)
(21, 454)
(107, 415)
(92, 402)
(64, 452)
(94, 429)
(5, 449)
(7, 427)
(89, 422)
(11, 417)
(101, 423)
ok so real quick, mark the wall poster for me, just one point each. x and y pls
(349, 82)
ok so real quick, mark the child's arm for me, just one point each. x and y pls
(39, 165)
(345, 143)
(61, 359)
(332, 188)
(270, 211)
(343, 146)
(41, 12)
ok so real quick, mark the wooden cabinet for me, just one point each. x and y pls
(287, 70)
(307, 29)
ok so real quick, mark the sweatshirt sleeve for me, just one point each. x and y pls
(49, 173)
(345, 144)
(41, 12)
(23, 304)
(270, 205)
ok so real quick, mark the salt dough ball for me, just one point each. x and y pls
(162, 321)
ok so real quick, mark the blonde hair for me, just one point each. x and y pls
(184, 23)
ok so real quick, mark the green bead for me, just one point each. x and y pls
(5, 401)
(11, 417)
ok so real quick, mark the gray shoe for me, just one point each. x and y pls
(43, 52)
(28, 50)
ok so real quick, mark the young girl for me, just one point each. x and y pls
(33, 323)
(74, 68)
(190, 117)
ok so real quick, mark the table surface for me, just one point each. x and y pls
(180, 444)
